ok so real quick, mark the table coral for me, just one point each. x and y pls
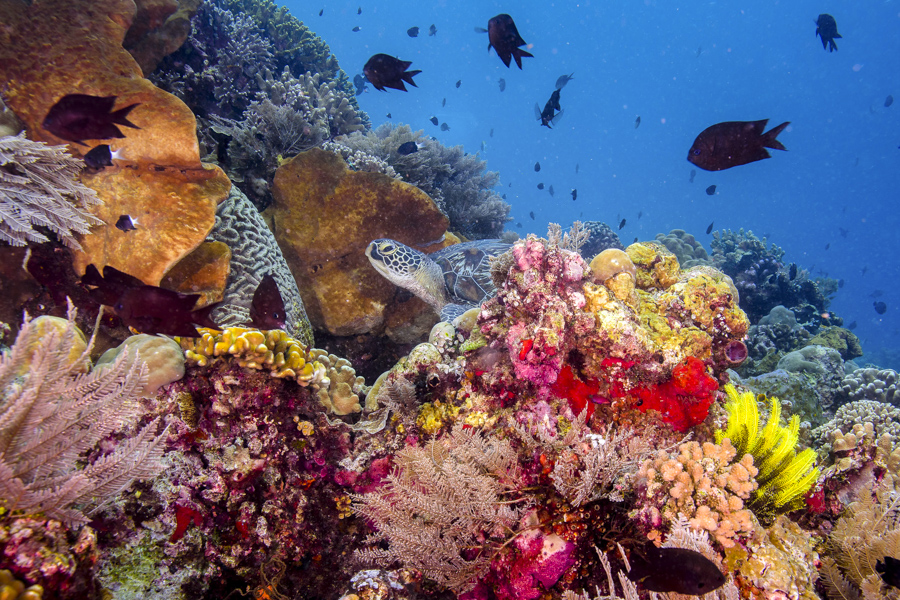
(165, 187)
(704, 484)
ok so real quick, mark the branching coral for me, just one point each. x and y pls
(702, 483)
(784, 476)
(216, 71)
(456, 181)
(39, 186)
(293, 115)
(447, 508)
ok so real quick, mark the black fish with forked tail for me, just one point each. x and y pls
(826, 28)
(505, 40)
(547, 116)
(78, 117)
(386, 71)
(734, 143)
(147, 308)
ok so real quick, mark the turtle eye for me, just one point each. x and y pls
(387, 248)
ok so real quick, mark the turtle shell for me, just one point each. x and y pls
(467, 269)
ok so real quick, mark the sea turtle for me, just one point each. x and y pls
(452, 280)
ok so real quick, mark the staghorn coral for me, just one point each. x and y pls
(878, 385)
(784, 476)
(254, 253)
(39, 186)
(867, 532)
(455, 180)
(685, 247)
(704, 484)
(53, 414)
(446, 509)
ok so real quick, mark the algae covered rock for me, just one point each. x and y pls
(324, 216)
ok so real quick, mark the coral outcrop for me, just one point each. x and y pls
(325, 215)
(703, 483)
(254, 254)
(165, 186)
(458, 182)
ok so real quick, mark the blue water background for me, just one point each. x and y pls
(680, 67)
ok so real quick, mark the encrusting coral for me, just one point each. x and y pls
(165, 186)
(784, 475)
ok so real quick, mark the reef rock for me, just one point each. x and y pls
(325, 215)
(53, 48)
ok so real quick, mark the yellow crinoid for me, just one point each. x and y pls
(784, 474)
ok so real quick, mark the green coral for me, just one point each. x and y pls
(784, 475)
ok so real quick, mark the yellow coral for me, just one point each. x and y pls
(784, 475)
(273, 351)
(13, 589)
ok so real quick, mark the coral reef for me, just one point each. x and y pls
(685, 247)
(601, 237)
(884, 418)
(769, 339)
(13, 589)
(254, 254)
(866, 533)
(762, 279)
(839, 339)
(39, 186)
(702, 483)
(455, 180)
(879, 385)
(784, 476)
(295, 114)
(159, 28)
(447, 508)
(165, 186)
(54, 414)
(325, 215)
(56, 561)
(782, 562)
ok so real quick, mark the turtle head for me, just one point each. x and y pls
(409, 269)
